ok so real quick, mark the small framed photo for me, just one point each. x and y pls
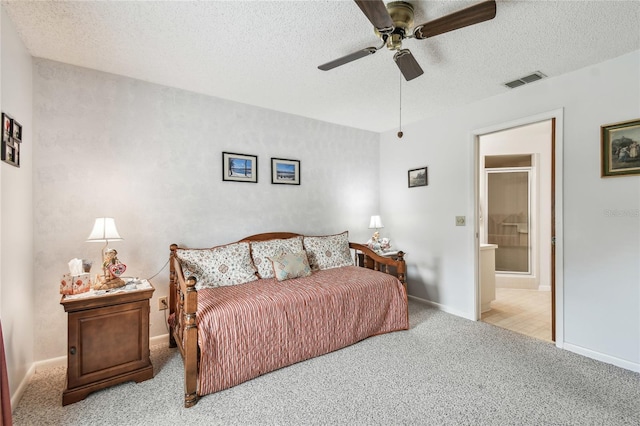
(11, 152)
(418, 177)
(239, 167)
(17, 131)
(286, 172)
(620, 148)
(7, 129)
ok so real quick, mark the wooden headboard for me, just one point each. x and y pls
(365, 257)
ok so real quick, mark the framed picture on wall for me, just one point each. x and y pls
(286, 172)
(239, 167)
(6, 127)
(418, 177)
(11, 138)
(620, 148)
(16, 132)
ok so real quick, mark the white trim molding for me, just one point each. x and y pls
(622, 363)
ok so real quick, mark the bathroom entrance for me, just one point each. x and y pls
(515, 228)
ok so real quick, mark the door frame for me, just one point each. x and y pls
(557, 117)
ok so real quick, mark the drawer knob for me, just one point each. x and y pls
(72, 351)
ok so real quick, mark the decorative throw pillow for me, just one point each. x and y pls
(218, 266)
(290, 265)
(261, 251)
(330, 251)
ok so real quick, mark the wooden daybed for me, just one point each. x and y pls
(280, 332)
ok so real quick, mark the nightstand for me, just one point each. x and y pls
(107, 340)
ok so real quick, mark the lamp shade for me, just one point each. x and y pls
(104, 230)
(375, 223)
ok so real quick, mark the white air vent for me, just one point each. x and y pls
(526, 79)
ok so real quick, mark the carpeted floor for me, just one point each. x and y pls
(444, 371)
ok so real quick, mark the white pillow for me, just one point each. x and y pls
(329, 251)
(218, 266)
(261, 251)
(290, 265)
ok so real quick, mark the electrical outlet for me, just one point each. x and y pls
(162, 303)
(461, 221)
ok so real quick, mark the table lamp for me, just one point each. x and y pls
(104, 230)
(375, 223)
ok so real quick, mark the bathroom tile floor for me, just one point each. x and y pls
(523, 311)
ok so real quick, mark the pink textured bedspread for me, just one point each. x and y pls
(248, 330)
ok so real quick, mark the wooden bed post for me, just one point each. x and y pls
(402, 269)
(191, 344)
(173, 287)
(183, 304)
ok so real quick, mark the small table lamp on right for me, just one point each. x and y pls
(375, 223)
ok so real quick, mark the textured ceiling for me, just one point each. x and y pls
(266, 53)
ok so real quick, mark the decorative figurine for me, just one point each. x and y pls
(112, 269)
(377, 244)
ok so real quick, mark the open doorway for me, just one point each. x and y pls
(515, 228)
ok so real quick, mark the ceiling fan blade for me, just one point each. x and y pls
(408, 65)
(348, 58)
(376, 12)
(463, 18)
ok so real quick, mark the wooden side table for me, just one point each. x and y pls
(108, 340)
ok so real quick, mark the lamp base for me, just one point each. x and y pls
(105, 283)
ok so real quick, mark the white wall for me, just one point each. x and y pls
(151, 157)
(16, 215)
(601, 250)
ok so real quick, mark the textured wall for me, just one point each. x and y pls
(600, 216)
(16, 261)
(150, 156)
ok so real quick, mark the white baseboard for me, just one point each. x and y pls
(162, 340)
(22, 387)
(622, 363)
(50, 363)
(444, 308)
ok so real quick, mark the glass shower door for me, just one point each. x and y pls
(509, 218)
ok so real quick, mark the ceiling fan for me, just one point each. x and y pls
(393, 23)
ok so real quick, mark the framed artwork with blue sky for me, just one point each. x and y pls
(286, 172)
(239, 167)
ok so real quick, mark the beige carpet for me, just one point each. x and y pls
(445, 370)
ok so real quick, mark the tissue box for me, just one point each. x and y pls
(75, 284)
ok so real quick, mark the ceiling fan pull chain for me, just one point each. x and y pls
(400, 127)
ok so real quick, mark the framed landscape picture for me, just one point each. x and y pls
(418, 177)
(286, 172)
(620, 148)
(239, 167)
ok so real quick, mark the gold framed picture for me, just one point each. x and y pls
(620, 148)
